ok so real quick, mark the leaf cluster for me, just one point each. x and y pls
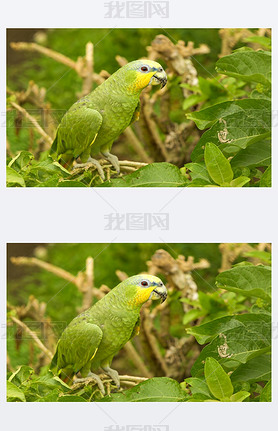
(235, 148)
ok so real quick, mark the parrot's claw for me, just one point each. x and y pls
(91, 162)
(89, 378)
(112, 159)
(113, 374)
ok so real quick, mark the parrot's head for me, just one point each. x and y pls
(140, 73)
(139, 288)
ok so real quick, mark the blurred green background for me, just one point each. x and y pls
(62, 83)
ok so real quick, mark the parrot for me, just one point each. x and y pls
(92, 339)
(92, 124)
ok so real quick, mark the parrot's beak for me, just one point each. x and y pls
(160, 292)
(160, 78)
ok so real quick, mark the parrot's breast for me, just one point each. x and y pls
(117, 326)
(116, 117)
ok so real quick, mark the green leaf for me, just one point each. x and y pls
(234, 339)
(48, 168)
(262, 255)
(14, 393)
(256, 370)
(211, 88)
(239, 181)
(250, 66)
(198, 386)
(192, 315)
(239, 396)
(44, 386)
(248, 322)
(218, 381)
(21, 375)
(247, 280)
(266, 178)
(198, 171)
(53, 396)
(50, 381)
(192, 100)
(256, 155)
(218, 166)
(154, 175)
(262, 40)
(13, 178)
(156, 389)
(21, 160)
(266, 393)
(234, 125)
(209, 116)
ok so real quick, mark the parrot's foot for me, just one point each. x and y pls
(112, 159)
(113, 374)
(89, 163)
(89, 378)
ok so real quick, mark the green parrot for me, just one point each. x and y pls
(92, 339)
(92, 124)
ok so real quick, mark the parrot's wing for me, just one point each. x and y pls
(78, 345)
(78, 130)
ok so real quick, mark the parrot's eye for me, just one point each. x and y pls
(144, 68)
(144, 283)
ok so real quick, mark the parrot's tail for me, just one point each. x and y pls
(65, 160)
(65, 374)
(66, 379)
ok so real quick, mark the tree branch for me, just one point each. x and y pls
(77, 281)
(57, 56)
(136, 359)
(88, 78)
(138, 147)
(33, 121)
(33, 335)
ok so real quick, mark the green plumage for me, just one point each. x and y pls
(93, 338)
(92, 123)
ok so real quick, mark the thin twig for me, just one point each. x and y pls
(136, 144)
(34, 336)
(147, 111)
(33, 121)
(152, 341)
(136, 359)
(88, 76)
(125, 165)
(33, 261)
(27, 46)
(88, 285)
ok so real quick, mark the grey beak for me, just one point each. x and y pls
(163, 82)
(162, 294)
(162, 79)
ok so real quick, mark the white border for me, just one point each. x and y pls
(196, 215)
